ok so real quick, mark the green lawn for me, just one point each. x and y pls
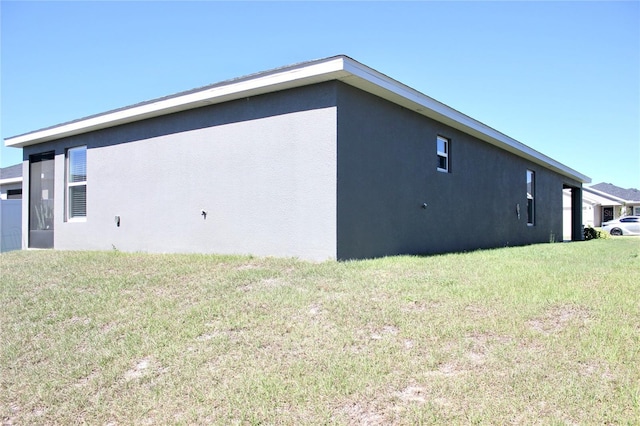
(544, 334)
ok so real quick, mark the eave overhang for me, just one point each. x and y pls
(8, 181)
(341, 68)
(604, 198)
(596, 200)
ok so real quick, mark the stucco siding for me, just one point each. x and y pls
(387, 170)
(263, 169)
(323, 171)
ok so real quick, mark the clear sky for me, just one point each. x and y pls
(560, 77)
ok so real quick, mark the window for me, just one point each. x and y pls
(531, 196)
(443, 154)
(14, 194)
(77, 182)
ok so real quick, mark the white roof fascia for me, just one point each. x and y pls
(10, 180)
(429, 107)
(252, 86)
(595, 199)
(608, 197)
(340, 68)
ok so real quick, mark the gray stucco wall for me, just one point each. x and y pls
(387, 169)
(319, 172)
(262, 168)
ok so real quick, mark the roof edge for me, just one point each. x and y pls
(10, 180)
(430, 107)
(606, 195)
(251, 85)
(340, 67)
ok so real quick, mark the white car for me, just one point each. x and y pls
(628, 225)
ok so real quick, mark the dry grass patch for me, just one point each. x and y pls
(557, 318)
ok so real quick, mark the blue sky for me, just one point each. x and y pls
(560, 77)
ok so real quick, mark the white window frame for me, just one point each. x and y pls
(443, 154)
(69, 185)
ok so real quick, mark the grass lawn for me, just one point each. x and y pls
(544, 334)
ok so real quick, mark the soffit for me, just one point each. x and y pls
(595, 199)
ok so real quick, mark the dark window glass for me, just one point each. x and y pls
(531, 196)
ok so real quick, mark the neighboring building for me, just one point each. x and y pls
(11, 182)
(11, 208)
(327, 159)
(629, 199)
(611, 202)
(603, 202)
